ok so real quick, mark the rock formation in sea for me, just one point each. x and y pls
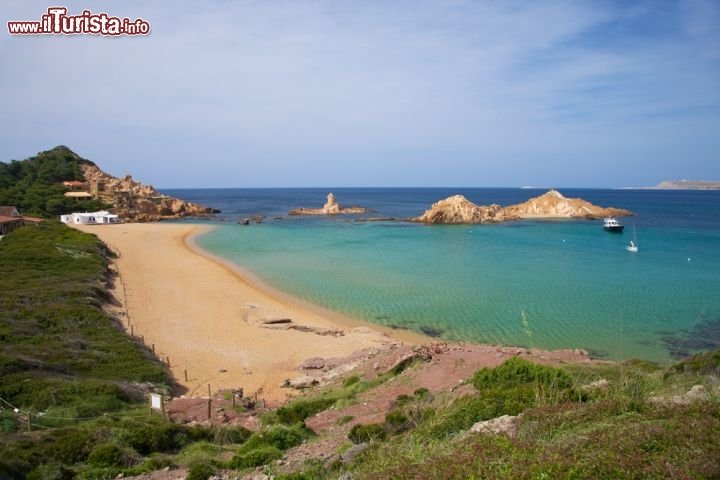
(552, 204)
(331, 207)
(458, 209)
(133, 201)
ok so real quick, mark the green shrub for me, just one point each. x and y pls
(201, 471)
(67, 446)
(364, 433)
(422, 392)
(516, 371)
(154, 437)
(279, 436)
(230, 435)
(397, 422)
(111, 455)
(351, 381)
(254, 457)
(300, 409)
(8, 422)
(50, 471)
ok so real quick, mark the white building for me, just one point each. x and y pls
(90, 218)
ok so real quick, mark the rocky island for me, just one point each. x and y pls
(552, 204)
(331, 207)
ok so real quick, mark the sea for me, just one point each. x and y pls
(546, 284)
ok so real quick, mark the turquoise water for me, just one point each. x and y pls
(576, 284)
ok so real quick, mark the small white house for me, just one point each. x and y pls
(90, 218)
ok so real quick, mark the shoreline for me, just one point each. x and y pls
(253, 281)
(209, 317)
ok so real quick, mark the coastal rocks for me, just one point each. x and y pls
(352, 452)
(133, 201)
(331, 207)
(552, 204)
(300, 383)
(697, 393)
(505, 425)
(458, 209)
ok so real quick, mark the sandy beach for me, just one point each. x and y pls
(207, 315)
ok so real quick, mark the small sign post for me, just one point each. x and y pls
(157, 402)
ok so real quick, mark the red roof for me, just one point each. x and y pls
(33, 219)
(73, 183)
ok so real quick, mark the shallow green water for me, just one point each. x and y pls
(577, 285)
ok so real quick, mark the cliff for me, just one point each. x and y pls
(133, 201)
(552, 204)
(331, 207)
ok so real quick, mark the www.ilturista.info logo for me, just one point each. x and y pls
(57, 22)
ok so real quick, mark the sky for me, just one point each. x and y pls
(342, 93)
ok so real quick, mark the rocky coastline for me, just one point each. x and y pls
(459, 210)
(135, 202)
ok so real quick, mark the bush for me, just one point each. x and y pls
(351, 381)
(8, 423)
(149, 438)
(255, 457)
(278, 436)
(299, 410)
(397, 422)
(201, 471)
(230, 435)
(111, 455)
(517, 371)
(50, 471)
(364, 433)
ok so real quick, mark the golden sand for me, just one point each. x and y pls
(206, 315)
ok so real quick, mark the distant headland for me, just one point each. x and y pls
(688, 185)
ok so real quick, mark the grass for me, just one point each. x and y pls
(59, 348)
(565, 431)
(63, 357)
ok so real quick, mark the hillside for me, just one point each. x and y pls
(36, 187)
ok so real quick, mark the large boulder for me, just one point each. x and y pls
(505, 425)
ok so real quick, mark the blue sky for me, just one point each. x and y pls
(375, 93)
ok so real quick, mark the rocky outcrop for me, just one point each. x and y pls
(552, 204)
(133, 201)
(458, 209)
(331, 207)
(505, 425)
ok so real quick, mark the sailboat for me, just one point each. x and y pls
(633, 247)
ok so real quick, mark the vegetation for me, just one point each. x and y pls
(619, 430)
(35, 187)
(63, 359)
(61, 353)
